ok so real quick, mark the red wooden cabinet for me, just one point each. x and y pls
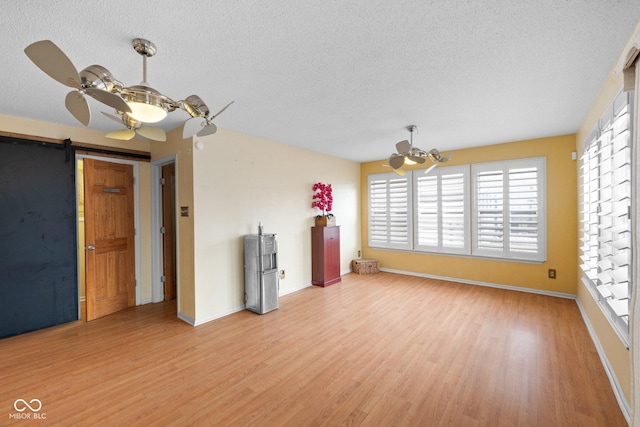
(325, 255)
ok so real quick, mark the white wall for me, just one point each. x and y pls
(240, 180)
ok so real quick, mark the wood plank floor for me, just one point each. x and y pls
(381, 349)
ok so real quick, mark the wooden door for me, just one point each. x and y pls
(109, 237)
(169, 231)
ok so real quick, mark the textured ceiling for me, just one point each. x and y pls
(338, 77)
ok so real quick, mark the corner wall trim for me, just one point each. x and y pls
(486, 284)
(615, 385)
(186, 318)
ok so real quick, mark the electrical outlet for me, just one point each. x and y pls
(282, 274)
(552, 273)
(358, 253)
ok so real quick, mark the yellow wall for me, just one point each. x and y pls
(561, 223)
(615, 351)
(184, 175)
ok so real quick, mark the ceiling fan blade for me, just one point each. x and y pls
(50, 59)
(396, 161)
(403, 147)
(78, 107)
(208, 129)
(430, 168)
(108, 98)
(447, 157)
(220, 112)
(192, 126)
(123, 135)
(154, 133)
(112, 117)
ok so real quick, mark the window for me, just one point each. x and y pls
(389, 211)
(488, 209)
(605, 214)
(508, 209)
(441, 210)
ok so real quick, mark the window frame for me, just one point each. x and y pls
(388, 242)
(602, 231)
(412, 177)
(440, 175)
(506, 251)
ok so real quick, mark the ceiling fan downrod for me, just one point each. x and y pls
(146, 49)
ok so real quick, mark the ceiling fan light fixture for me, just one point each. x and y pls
(147, 104)
(409, 161)
(147, 113)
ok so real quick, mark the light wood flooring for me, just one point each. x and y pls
(381, 350)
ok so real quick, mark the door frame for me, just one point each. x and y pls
(136, 219)
(157, 264)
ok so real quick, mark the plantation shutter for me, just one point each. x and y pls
(589, 212)
(389, 211)
(605, 216)
(489, 218)
(509, 209)
(524, 215)
(440, 211)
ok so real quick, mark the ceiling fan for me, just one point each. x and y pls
(139, 103)
(133, 128)
(407, 154)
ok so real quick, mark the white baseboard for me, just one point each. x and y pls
(299, 288)
(240, 308)
(486, 284)
(615, 385)
(199, 322)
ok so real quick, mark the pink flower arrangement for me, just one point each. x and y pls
(323, 198)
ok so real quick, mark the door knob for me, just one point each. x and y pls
(91, 247)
